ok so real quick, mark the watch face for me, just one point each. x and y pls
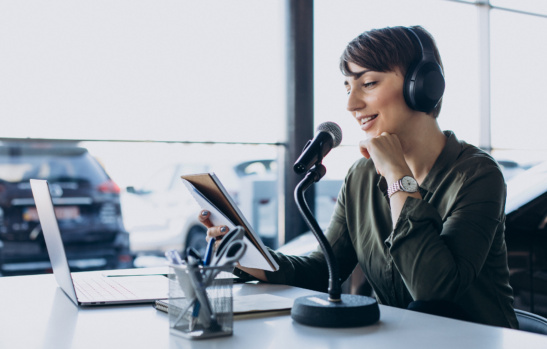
(409, 184)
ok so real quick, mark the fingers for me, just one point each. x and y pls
(366, 145)
(213, 231)
(363, 149)
(217, 232)
(386, 152)
(204, 218)
(385, 142)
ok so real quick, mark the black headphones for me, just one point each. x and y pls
(424, 80)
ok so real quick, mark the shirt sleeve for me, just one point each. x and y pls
(312, 271)
(440, 257)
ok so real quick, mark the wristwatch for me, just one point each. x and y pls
(407, 184)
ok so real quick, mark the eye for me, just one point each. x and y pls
(369, 84)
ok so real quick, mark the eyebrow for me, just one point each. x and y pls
(357, 75)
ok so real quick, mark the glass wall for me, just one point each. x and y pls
(153, 90)
(339, 22)
(493, 54)
(516, 54)
(518, 73)
(139, 70)
(147, 91)
(532, 7)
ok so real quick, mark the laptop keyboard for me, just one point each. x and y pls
(102, 289)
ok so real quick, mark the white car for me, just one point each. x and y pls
(161, 215)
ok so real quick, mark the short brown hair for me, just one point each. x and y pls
(385, 50)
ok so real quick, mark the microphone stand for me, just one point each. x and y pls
(314, 175)
(336, 310)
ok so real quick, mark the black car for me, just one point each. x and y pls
(526, 237)
(87, 206)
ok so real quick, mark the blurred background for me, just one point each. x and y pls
(112, 101)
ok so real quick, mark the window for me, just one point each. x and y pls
(518, 75)
(156, 89)
(138, 70)
(148, 88)
(339, 22)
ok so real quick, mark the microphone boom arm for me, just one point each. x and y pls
(313, 176)
(333, 309)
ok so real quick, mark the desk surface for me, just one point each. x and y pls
(35, 313)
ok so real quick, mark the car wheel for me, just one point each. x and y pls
(196, 239)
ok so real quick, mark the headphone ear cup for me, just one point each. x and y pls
(409, 86)
(424, 86)
(424, 81)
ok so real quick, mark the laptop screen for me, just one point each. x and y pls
(52, 236)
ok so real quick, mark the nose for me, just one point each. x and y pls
(355, 101)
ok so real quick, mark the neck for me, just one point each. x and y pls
(422, 145)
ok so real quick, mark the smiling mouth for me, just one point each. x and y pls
(368, 118)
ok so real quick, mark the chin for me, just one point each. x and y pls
(372, 133)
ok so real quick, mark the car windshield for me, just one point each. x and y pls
(19, 164)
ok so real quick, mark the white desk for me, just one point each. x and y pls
(35, 313)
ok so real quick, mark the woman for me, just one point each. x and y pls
(422, 213)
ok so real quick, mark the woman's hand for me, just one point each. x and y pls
(217, 232)
(386, 152)
(213, 232)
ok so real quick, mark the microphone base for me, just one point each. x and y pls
(351, 311)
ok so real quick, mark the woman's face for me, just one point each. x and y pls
(376, 101)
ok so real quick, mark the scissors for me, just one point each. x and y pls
(233, 235)
(229, 255)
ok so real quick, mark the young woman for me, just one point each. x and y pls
(422, 212)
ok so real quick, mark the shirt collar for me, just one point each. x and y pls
(449, 154)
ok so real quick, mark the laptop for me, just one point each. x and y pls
(90, 288)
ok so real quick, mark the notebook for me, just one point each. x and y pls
(210, 194)
(90, 288)
(249, 306)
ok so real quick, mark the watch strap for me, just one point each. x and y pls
(398, 186)
(393, 188)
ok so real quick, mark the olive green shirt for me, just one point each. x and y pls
(448, 246)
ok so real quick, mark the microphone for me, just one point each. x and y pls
(328, 135)
(333, 309)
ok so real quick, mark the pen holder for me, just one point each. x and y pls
(200, 305)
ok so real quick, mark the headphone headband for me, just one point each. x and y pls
(424, 81)
(423, 41)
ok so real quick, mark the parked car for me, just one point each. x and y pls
(161, 215)
(526, 237)
(512, 168)
(87, 206)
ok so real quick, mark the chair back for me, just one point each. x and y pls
(530, 322)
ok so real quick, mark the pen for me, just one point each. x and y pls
(206, 261)
(209, 252)
(174, 257)
(184, 279)
(205, 311)
(190, 251)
